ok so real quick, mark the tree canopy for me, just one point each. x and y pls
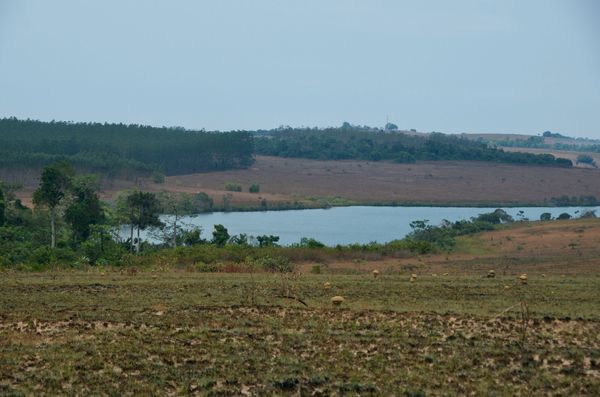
(365, 143)
(117, 148)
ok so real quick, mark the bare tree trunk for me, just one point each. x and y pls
(52, 229)
(131, 240)
(175, 231)
(139, 243)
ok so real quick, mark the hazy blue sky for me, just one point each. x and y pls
(451, 66)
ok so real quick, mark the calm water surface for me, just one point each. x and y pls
(345, 225)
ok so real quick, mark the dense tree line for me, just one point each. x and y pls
(444, 235)
(364, 143)
(539, 142)
(117, 147)
(70, 225)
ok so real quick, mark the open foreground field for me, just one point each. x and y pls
(292, 181)
(197, 334)
(163, 331)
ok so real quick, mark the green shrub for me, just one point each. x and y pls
(586, 159)
(267, 240)
(206, 267)
(233, 187)
(306, 242)
(254, 188)
(564, 216)
(158, 177)
(279, 264)
(42, 255)
(588, 214)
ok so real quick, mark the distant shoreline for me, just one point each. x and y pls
(393, 205)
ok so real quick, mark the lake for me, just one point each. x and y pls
(346, 225)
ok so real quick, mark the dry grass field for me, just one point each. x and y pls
(284, 180)
(198, 334)
(161, 331)
(424, 182)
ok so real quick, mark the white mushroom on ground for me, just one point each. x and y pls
(523, 278)
(327, 285)
(491, 274)
(413, 278)
(337, 300)
(375, 273)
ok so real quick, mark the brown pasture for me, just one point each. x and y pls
(439, 182)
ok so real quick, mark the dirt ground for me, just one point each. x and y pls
(196, 334)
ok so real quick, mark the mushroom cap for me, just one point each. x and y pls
(375, 271)
(413, 276)
(491, 271)
(327, 284)
(523, 277)
(337, 300)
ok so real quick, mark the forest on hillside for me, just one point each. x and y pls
(363, 143)
(114, 148)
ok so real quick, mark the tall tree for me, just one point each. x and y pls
(84, 209)
(220, 235)
(55, 181)
(144, 210)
